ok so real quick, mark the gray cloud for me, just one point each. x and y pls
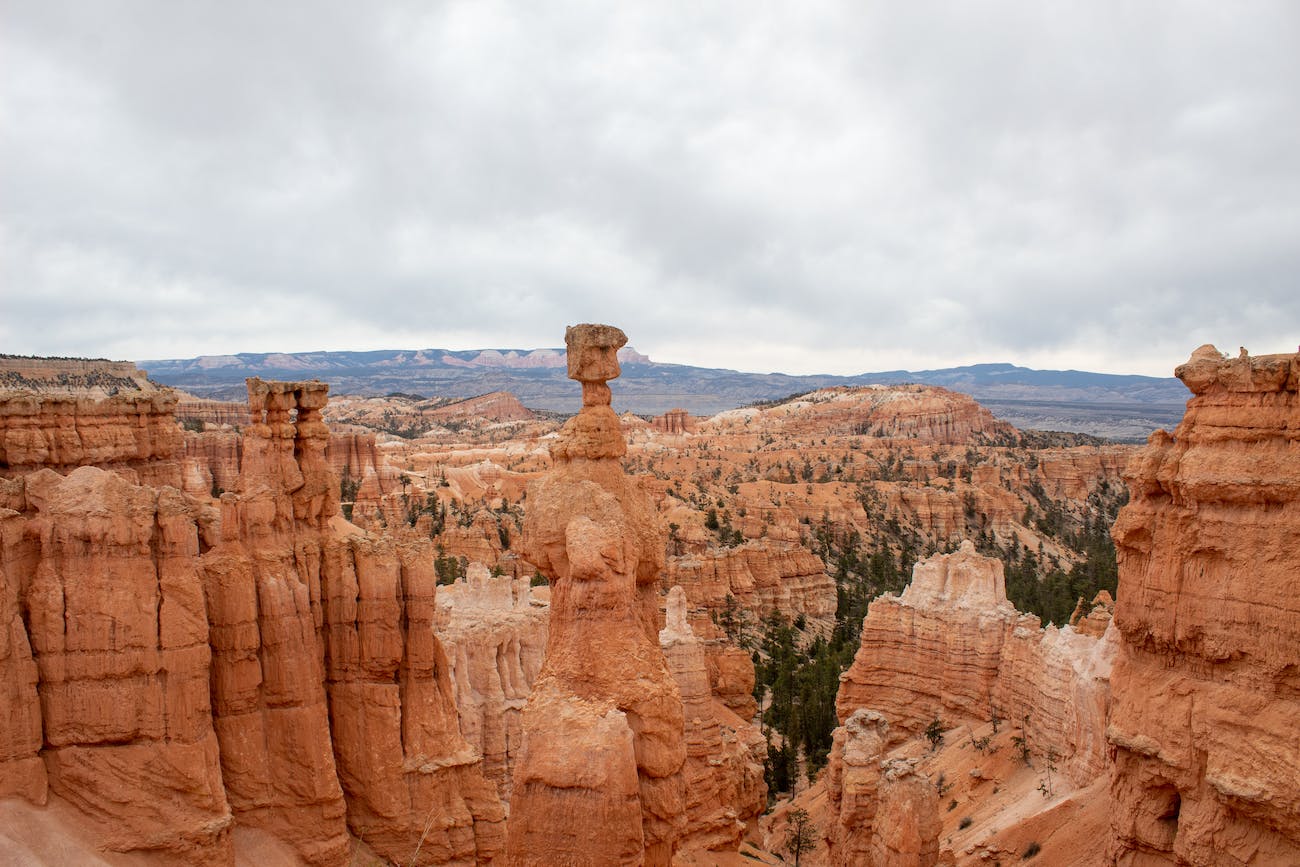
(827, 189)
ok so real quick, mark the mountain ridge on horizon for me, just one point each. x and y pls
(1121, 406)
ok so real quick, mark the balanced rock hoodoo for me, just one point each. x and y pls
(599, 780)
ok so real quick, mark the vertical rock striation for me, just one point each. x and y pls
(263, 590)
(113, 615)
(494, 633)
(599, 780)
(332, 696)
(1207, 683)
(952, 647)
(171, 670)
(724, 780)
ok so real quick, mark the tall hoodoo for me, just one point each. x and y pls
(330, 693)
(1207, 683)
(599, 780)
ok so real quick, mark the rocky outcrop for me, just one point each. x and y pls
(201, 412)
(1093, 618)
(494, 632)
(906, 828)
(497, 406)
(675, 421)
(952, 647)
(353, 455)
(922, 413)
(599, 780)
(414, 787)
(760, 576)
(331, 695)
(112, 614)
(62, 414)
(1207, 683)
(724, 778)
(853, 785)
(881, 813)
(211, 462)
(172, 670)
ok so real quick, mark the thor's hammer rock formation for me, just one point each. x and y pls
(599, 780)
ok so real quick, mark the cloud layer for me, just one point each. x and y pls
(818, 187)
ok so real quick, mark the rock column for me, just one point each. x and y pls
(599, 778)
(1206, 715)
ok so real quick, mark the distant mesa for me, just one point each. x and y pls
(1124, 407)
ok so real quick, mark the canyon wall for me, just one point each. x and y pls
(494, 631)
(172, 669)
(1207, 681)
(724, 754)
(112, 614)
(951, 647)
(62, 414)
(760, 576)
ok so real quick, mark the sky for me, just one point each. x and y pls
(803, 187)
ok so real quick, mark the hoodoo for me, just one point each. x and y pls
(599, 780)
(1206, 715)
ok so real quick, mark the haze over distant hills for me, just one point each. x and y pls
(1123, 407)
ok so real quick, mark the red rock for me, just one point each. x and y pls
(599, 779)
(1207, 693)
(724, 779)
(61, 414)
(675, 421)
(906, 828)
(761, 577)
(22, 773)
(951, 647)
(117, 627)
(853, 785)
(494, 631)
(333, 703)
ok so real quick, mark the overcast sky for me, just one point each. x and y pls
(804, 187)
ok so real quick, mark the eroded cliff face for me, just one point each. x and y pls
(332, 697)
(494, 631)
(952, 647)
(761, 576)
(724, 754)
(1207, 683)
(599, 780)
(61, 414)
(172, 672)
(101, 592)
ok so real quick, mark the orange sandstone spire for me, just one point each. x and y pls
(599, 778)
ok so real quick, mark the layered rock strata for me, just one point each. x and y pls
(724, 777)
(599, 780)
(172, 671)
(112, 614)
(761, 577)
(494, 632)
(952, 647)
(1207, 683)
(331, 694)
(62, 414)
(881, 812)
